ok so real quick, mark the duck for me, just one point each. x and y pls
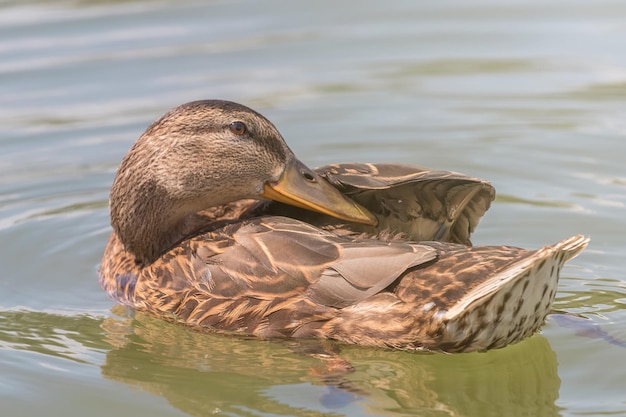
(219, 227)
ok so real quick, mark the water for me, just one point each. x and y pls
(528, 94)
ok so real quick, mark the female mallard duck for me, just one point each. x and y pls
(192, 242)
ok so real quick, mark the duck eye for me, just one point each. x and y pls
(238, 128)
(308, 176)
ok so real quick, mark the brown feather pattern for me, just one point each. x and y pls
(274, 276)
(270, 269)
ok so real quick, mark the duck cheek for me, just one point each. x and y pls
(257, 189)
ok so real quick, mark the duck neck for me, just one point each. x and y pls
(147, 223)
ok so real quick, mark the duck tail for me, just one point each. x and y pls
(572, 246)
(512, 304)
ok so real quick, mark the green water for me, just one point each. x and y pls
(530, 95)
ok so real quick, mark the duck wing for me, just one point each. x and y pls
(421, 203)
(415, 202)
(270, 276)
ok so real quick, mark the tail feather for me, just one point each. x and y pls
(512, 304)
(572, 246)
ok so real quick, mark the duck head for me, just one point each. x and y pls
(204, 154)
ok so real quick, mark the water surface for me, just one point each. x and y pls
(528, 94)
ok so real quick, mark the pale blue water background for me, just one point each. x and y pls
(528, 94)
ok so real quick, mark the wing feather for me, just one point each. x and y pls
(364, 271)
(277, 257)
(423, 204)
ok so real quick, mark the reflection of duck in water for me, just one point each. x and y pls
(197, 374)
(187, 245)
(586, 328)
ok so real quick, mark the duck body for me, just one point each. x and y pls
(396, 270)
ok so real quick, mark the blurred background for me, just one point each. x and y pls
(530, 95)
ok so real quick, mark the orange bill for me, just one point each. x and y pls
(301, 187)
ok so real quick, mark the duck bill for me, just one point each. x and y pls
(301, 187)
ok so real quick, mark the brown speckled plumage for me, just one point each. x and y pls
(269, 269)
